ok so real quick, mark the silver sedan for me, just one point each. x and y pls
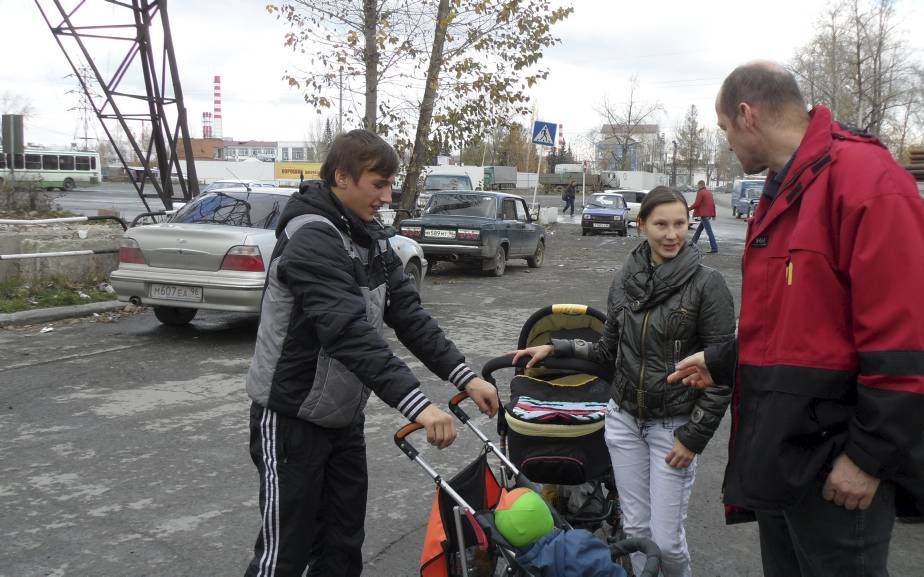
(213, 254)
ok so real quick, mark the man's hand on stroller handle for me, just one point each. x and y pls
(440, 426)
(484, 394)
(536, 353)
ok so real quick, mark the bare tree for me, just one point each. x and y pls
(689, 138)
(859, 64)
(12, 103)
(622, 121)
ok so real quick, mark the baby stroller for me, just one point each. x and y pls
(552, 426)
(462, 539)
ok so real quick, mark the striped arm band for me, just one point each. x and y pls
(413, 403)
(461, 375)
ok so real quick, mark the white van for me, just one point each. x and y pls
(449, 177)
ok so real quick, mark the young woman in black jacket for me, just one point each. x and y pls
(663, 305)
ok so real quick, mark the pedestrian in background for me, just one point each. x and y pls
(663, 305)
(568, 197)
(333, 282)
(704, 208)
(826, 427)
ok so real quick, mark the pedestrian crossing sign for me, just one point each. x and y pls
(544, 133)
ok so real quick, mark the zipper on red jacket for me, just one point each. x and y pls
(640, 392)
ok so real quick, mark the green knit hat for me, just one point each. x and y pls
(522, 517)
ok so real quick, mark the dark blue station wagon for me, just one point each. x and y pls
(488, 227)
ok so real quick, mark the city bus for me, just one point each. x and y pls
(64, 169)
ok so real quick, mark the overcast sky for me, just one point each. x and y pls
(679, 50)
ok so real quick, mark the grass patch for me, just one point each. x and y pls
(17, 296)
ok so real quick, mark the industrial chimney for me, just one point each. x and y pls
(216, 119)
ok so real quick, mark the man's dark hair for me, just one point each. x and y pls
(767, 85)
(357, 151)
(657, 196)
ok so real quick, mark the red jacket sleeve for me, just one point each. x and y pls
(698, 201)
(881, 249)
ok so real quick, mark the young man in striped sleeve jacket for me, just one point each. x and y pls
(332, 284)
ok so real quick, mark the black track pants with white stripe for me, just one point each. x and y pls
(313, 486)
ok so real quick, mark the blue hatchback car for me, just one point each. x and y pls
(605, 212)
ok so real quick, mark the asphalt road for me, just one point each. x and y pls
(123, 443)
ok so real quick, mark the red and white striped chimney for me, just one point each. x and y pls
(216, 119)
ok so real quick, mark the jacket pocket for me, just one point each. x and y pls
(788, 435)
(337, 396)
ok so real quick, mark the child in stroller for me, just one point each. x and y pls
(525, 521)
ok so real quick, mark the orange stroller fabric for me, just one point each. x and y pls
(434, 558)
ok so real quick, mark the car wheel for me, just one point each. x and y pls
(498, 264)
(734, 212)
(535, 261)
(584, 232)
(69, 184)
(174, 316)
(623, 232)
(412, 270)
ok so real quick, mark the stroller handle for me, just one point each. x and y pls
(457, 410)
(400, 439)
(647, 546)
(568, 364)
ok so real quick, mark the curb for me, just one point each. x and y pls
(58, 313)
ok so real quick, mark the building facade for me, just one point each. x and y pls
(645, 150)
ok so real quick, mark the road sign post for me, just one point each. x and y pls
(543, 135)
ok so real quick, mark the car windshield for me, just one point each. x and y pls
(482, 205)
(447, 182)
(606, 201)
(234, 208)
(754, 188)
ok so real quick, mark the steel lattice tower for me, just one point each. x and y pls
(144, 87)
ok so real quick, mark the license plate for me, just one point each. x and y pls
(437, 233)
(176, 292)
(601, 225)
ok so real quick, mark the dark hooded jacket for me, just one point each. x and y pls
(332, 284)
(656, 316)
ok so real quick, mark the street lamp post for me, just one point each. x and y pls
(674, 164)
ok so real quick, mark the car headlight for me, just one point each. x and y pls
(617, 217)
(586, 217)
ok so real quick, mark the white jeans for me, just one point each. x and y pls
(653, 495)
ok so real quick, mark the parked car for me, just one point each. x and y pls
(487, 227)
(213, 254)
(745, 196)
(633, 200)
(605, 212)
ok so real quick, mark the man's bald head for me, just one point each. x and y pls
(762, 84)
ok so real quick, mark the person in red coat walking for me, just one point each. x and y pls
(826, 443)
(704, 208)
